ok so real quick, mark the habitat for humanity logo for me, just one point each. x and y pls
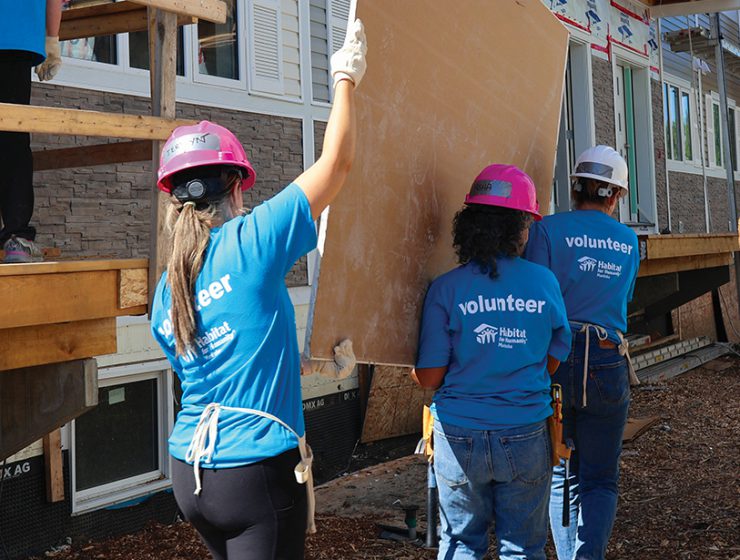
(603, 269)
(486, 334)
(503, 337)
(587, 264)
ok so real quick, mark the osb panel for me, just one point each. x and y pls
(442, 98)
(133, 288)
(730, 311)
(394, 406)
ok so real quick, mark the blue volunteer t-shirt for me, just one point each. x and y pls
(246, 350)
(494, 336)
(23, 27)
(595, 259)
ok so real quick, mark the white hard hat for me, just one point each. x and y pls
(602, 163)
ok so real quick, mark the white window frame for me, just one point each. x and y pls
(712, 99)
(219, 81)
(684, 88)
(140, 485)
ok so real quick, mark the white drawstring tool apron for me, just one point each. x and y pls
(203, 445)
(602, 335)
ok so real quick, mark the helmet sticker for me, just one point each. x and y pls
(594, 168)
(191, 143)
(491, 188)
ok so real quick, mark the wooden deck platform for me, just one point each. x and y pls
(663, 254)
(59, 311)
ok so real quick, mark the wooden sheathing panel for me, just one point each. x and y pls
(678, 264)
(35, 401)
(485, 86)
(49, 344)
(53, 120)
(107, 19)
(133, 289)
(394, 406)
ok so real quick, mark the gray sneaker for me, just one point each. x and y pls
(19, 250)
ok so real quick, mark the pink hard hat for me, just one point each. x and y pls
(506, 186)
(202, 144)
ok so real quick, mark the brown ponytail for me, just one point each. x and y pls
(190, 229)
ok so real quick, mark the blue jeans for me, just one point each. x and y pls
(484, 476)
(596, 431)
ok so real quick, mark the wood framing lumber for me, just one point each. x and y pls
(76, 122)
(163, 61)
(678, 264)
(35, 401)
(107, 19)
(48, 293)
(90, 156)
(53, 467)
(681, 245)
(37, 345)
(49, 253)
(209, 10)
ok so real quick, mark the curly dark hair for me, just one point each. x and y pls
(482, 233)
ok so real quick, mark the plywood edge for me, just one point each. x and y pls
(53, 467)
(56, 267)
(133, 288)
(59, 342)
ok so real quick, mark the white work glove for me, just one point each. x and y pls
(348, 63)
(342, 366)
(49, 67)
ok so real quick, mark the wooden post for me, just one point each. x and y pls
(163, 74)
(53, 466)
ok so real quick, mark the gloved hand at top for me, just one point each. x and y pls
(342, 366)
(349, 63)
(49, 67)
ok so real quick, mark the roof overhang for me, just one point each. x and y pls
(668, 8)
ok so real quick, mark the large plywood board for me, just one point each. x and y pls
(450, 88)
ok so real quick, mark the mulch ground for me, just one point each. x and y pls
(680, 489)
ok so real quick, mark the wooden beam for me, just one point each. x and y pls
(53, 466)
(63, 294)
(107, 19)
(76, 122)
(49, 253)
(35, 401)
(60, 342)
(209, 10)
(163, 62)
(90, 156)
(682, 245)
(70, 266)
(678, 264)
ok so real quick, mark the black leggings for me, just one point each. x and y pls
(16, 160)
(256, 512)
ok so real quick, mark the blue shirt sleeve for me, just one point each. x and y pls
(284, 228)
(538, 246)
(560, 343)
(435, 341)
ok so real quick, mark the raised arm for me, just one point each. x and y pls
(53, 17)
(49, 67)
(324, 179)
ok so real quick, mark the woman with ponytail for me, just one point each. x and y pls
(221, 312)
